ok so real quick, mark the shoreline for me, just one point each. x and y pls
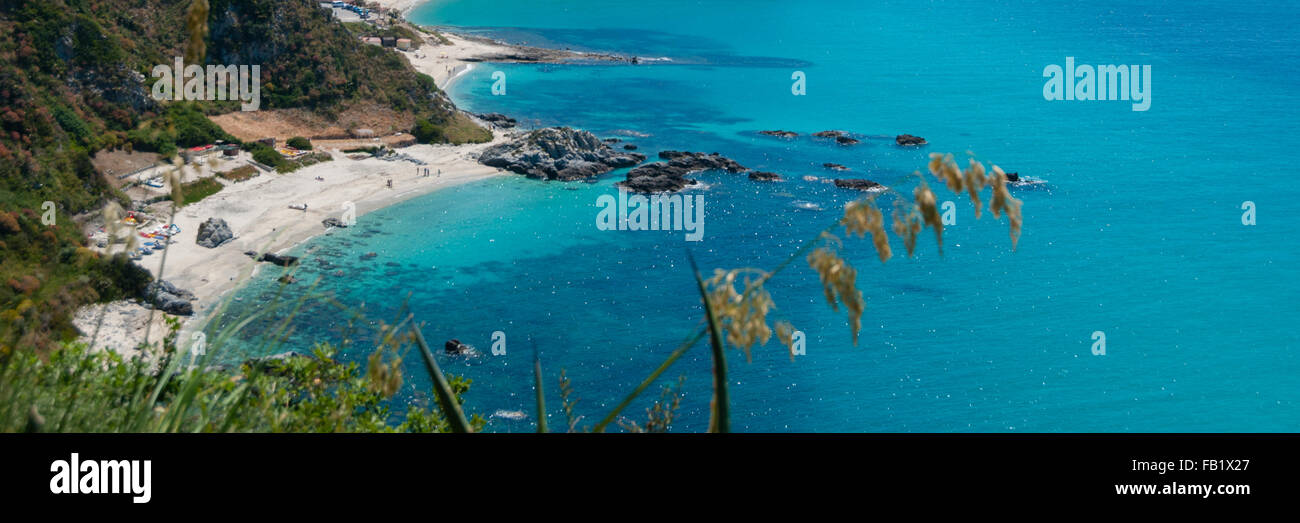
(257, 210)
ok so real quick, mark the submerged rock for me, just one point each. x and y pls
(908, 140)
(764, 176)
(780, 134)
(835, 166)
(558, 153)
(828, 134)
(214, 233)
(858, 184)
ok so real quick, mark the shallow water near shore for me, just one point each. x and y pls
(1137, 231)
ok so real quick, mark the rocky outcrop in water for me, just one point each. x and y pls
(164, 296)
(656, 177)
(214, 232)
(909, 140)
(828, 134)
(454, 346)
(701, 161)
(764, 176)
(558, 153)
(1013, 177)
(499, 120)
(670, 175)
(858, 184)
(835, 167)
(780, 134)
(270, 257)
(845, 140)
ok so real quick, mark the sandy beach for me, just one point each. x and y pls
(258, 212)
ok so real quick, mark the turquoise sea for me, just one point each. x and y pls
(1136, 231)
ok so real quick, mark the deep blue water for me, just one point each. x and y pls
(1137, 231)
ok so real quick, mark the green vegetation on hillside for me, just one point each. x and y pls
(360, 29)
(455, 129)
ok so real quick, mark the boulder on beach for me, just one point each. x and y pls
(558, 153)
(164, 296)
(670, 175)
(858, 184)
(213, 233)
(333, 222)
(909, 140)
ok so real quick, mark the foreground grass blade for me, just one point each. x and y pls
(446, 398)
(645, 384)
(541, 395)
(721, 419)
